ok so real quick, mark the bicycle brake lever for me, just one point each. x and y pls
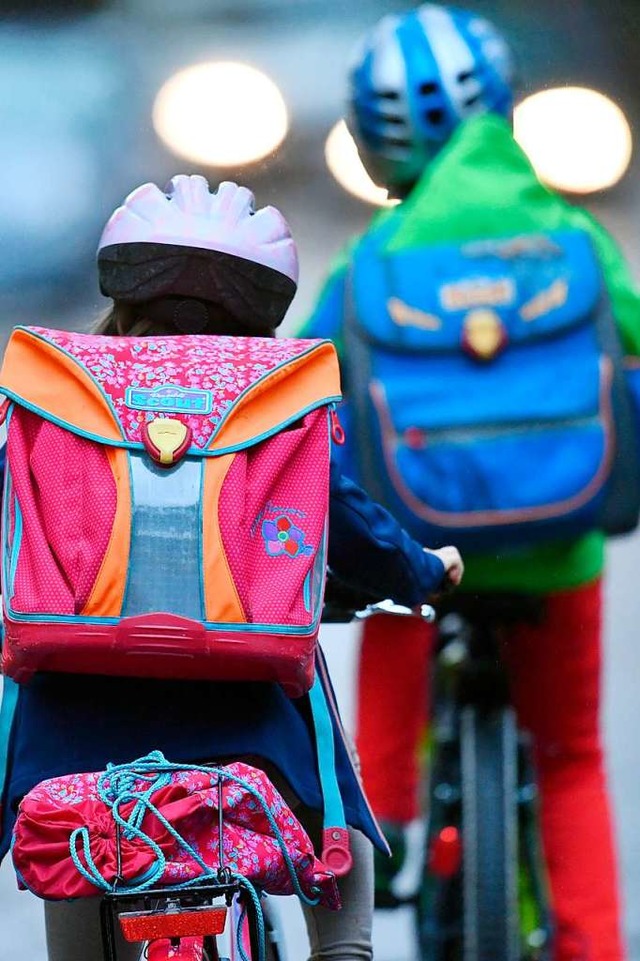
(426, 612)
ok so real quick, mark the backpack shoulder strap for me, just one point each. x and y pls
(335, 838)
(8, 705)
(357, 378)
(622, 506)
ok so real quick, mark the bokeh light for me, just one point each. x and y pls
(220, 114)
(343, 160)
(577, 139)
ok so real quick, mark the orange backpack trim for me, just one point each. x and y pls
(31, 366)
(280, 396)
(107, 597)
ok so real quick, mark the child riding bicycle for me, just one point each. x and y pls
(187, 261)
(430, 106)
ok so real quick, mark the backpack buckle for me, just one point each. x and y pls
(166, 440)
(483, 334)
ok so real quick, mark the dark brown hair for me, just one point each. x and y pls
(128, 320)
(131, 320)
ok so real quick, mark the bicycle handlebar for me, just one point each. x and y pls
(344, 602)
(425, 611)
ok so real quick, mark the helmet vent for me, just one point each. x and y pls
(435, 116)
(397, 142)
(470, 101)
(434, 66)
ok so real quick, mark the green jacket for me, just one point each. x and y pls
(483, 185)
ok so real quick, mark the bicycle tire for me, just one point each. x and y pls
(489, 773)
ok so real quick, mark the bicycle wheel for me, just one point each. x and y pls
(438, 908)
(489, 778)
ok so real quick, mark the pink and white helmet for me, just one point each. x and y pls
(188, 241)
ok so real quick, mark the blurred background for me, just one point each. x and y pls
(98, 96)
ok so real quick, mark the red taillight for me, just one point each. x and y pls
(192, 922)
(445, 853)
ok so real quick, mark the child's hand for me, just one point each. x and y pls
(453, 565)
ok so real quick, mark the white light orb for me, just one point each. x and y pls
(577, 139)
(343, 160)
(220, 114)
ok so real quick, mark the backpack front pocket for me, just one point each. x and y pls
(479, 476)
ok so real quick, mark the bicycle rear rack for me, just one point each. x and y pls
(170, 913)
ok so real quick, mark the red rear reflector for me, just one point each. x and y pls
(192, 922)
(445, 853)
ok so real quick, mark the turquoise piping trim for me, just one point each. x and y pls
(6, 500)
(133, 514)
(58, 618)
(201, 544)
(8, 706)
(306, 592)
(61, 423)
(333, 807)
(78, 364)
(234, 628)
(203, 611)
(15, 397)
(262, 379)
(274, 430)
(191, 451)
(15, 547)
(321, 580)
(7, 419)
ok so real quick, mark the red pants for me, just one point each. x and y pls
(554, 673)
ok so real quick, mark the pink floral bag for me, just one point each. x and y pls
(152, 823)
(165, 509)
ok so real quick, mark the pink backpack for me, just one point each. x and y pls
(165, 505)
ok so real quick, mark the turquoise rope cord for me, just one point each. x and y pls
(115, 787)
(253, 894)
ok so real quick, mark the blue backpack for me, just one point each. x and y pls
(487, 394)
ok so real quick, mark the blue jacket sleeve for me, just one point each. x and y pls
(369, 550)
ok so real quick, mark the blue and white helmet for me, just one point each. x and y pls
(414, 78)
